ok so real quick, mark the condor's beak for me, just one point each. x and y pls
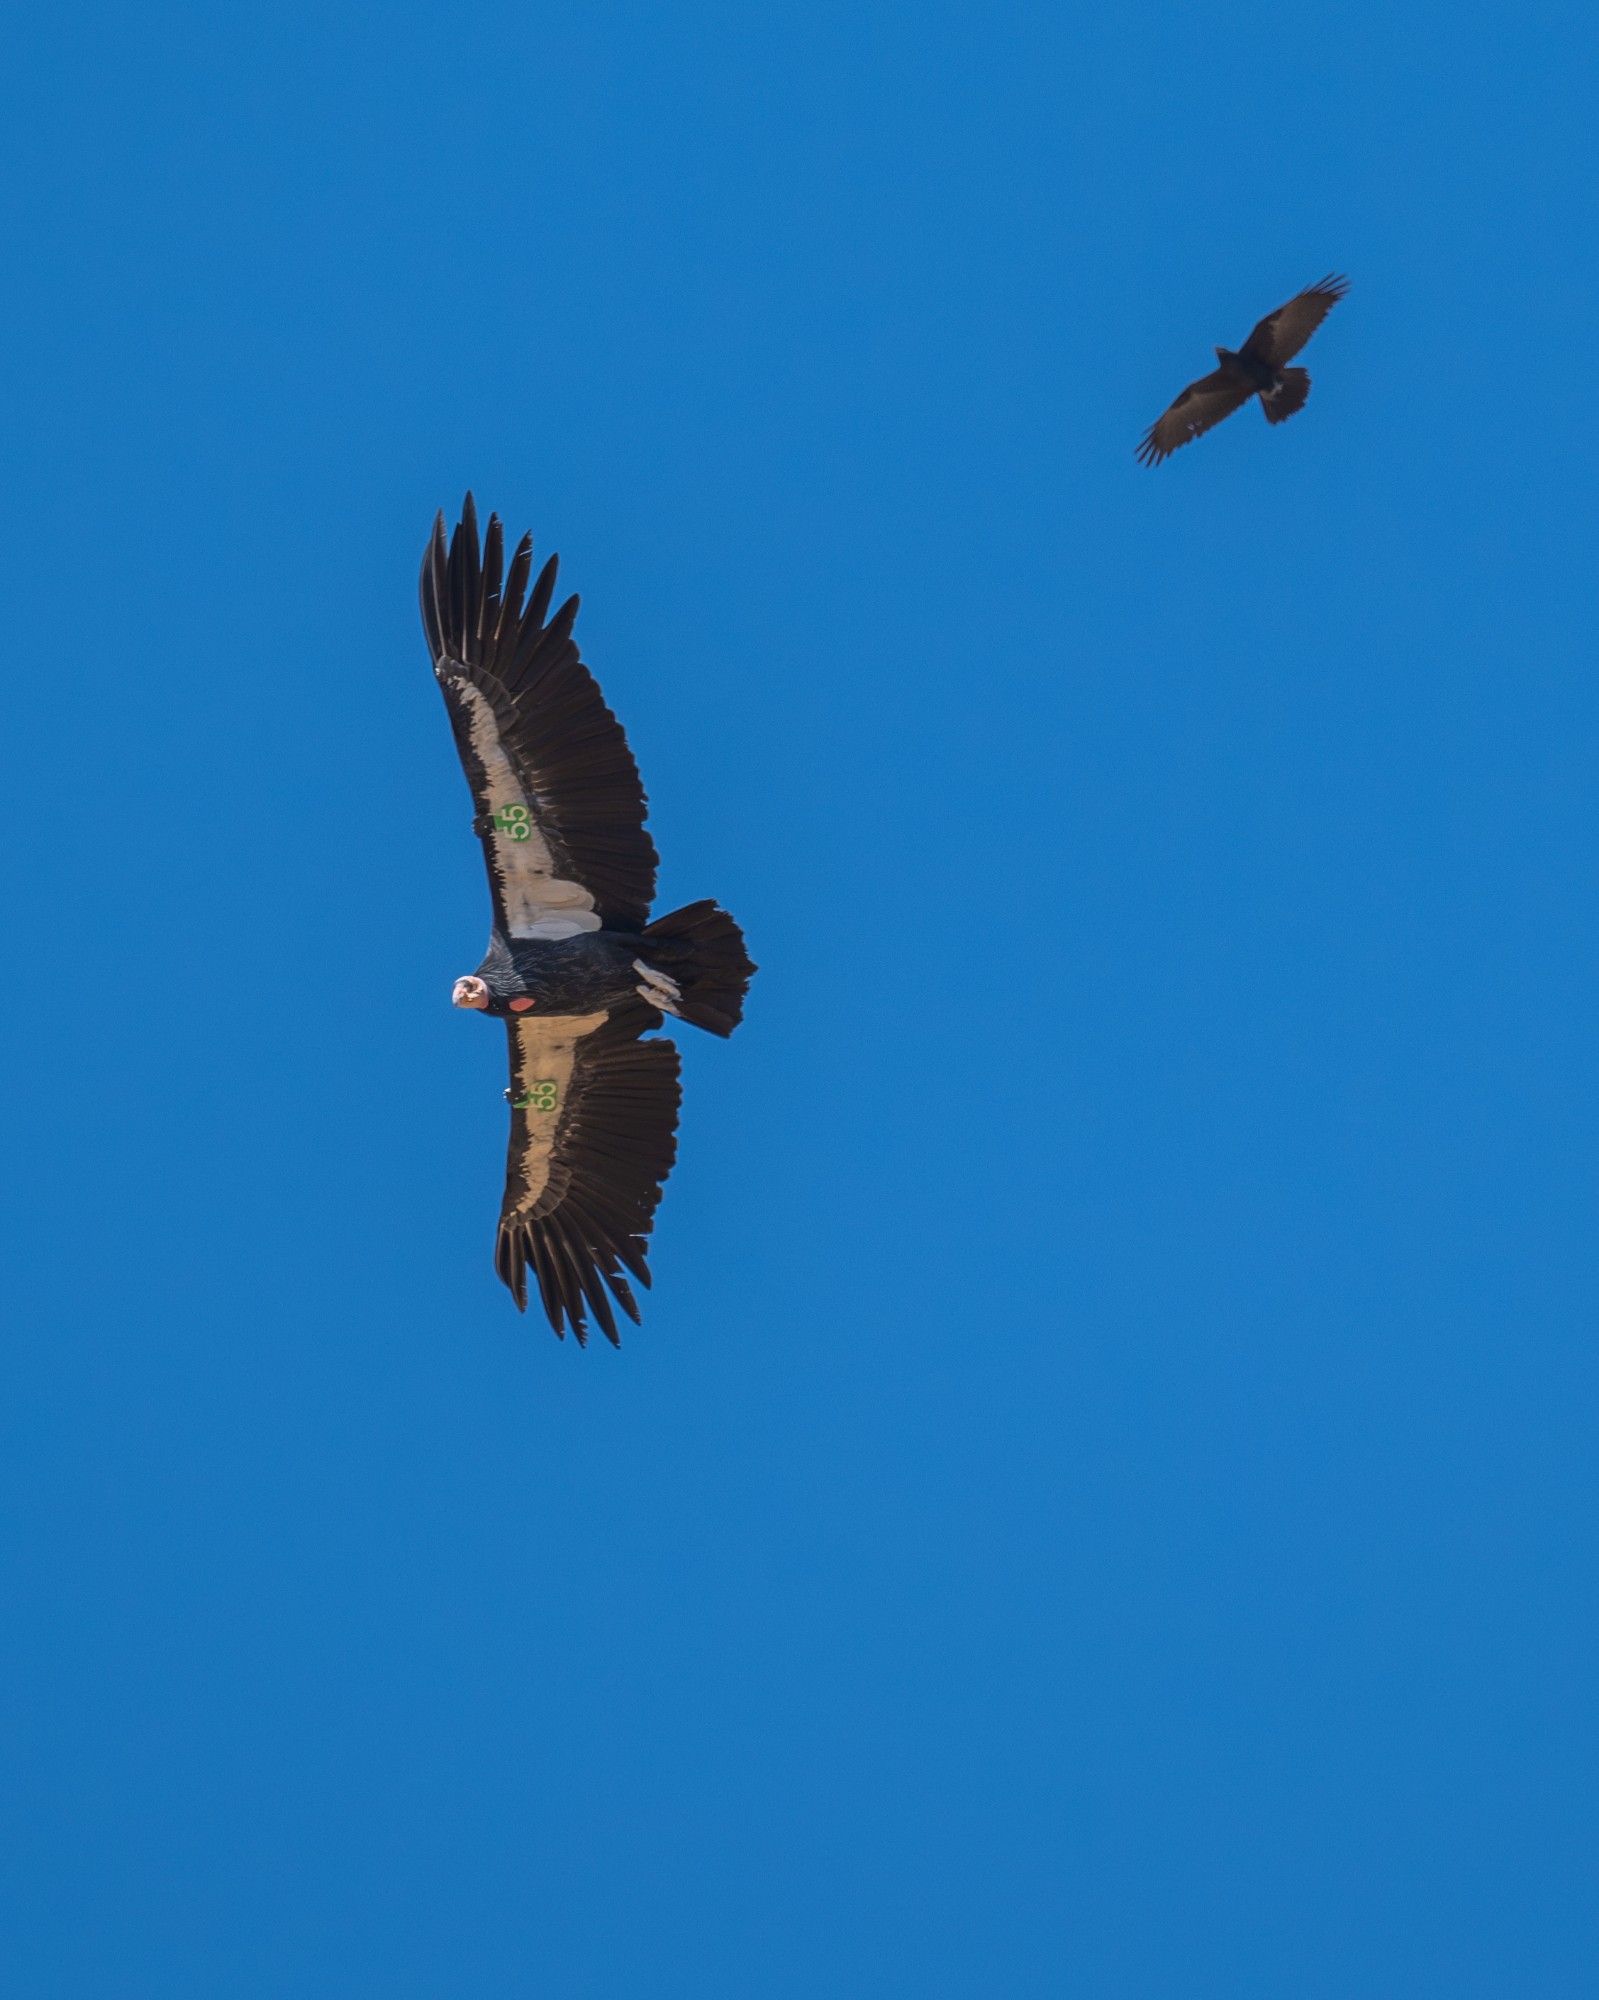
(469, 992)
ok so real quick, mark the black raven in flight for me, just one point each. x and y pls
(1259, 368)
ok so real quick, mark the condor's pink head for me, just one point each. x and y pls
(470, 992)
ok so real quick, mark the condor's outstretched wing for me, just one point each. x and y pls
(1282, 333)
(559, 805)
(1201, 405)
(593, 1137)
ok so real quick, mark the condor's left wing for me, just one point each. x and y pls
(560, 809)
(593, 1138)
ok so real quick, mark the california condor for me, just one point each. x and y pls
(1259, 368)
(575, 968)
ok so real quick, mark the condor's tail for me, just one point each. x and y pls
(700, 951)
(1288, 395)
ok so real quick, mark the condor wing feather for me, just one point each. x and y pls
(593, 1138)
(560, 808)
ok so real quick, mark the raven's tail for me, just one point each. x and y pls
(699, 951)
(1287, 395)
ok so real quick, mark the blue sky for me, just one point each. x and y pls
(1103, 1498)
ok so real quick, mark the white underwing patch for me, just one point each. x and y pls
(544, 1054)
(538, 902)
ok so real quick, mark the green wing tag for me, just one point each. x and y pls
(517, 821)
(541, 1096)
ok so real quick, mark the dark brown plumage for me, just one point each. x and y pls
(1259, 368)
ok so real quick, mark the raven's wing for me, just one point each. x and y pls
(1202, 404)
(1281, 334)
(593, 1137)
(559, 805)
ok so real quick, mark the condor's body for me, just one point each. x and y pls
(559, 975)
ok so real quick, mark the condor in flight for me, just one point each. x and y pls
(1259, 368)
(575, 968)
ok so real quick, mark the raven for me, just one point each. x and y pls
(1257, 369)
